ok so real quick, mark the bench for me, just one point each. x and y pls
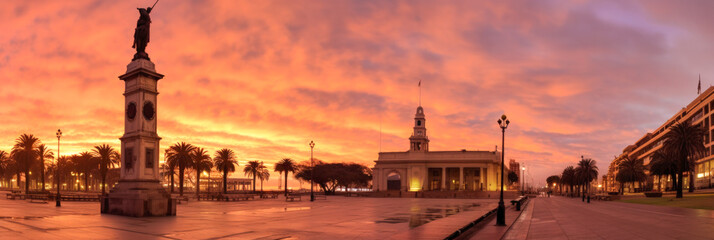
(352, 194)
(603, 197)
(15, 195)
(292, 198)
(83, 198)
(179, 199)
(518, 202)
(321, 196)
(37, 198)
(269, 195)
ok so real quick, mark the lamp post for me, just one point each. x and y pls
(523, 176)
(585, 185)
(57, 198)
(501, 212)
(312, 173)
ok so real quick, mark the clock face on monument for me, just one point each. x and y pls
(148, 111)
(131, 111)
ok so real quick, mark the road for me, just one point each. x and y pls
(570, 218)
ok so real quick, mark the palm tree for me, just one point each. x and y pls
(85, 163)
(555, 179)
(179, 154)
(108, 157)
(170, 168)
(588, 173)
(201, 162)
(25, 155)
(663, 164)
(631, 170)
(568, 177)
(43, 152)
(4, 163)
(684, 141)
(264, 175)
(252, 169)
(286, 165)
(225, 161)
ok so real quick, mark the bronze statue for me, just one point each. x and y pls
(141, 33)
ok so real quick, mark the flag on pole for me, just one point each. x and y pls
(699, 87)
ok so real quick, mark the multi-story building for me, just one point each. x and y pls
(698, 112)
(420, 169)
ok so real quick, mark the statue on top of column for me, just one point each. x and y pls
(141, 33)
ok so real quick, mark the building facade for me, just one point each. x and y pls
(698, 112)
(422, 170)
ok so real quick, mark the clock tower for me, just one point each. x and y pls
(419, 142)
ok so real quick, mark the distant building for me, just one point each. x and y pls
(516, 167)
(698, 112)
(422, 170)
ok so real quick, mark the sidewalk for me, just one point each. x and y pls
(570, 218)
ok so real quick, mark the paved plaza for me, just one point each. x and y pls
(570, 218)
(335, 218)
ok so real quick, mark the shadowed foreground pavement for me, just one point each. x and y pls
(335, 218)
(570, 218)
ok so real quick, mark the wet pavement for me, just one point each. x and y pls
(335, 218)
(570, 218)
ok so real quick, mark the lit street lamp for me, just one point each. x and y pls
(523, 176)
(501, 212)
(57, 198)
(312, 173)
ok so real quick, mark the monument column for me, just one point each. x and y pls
(139, 192)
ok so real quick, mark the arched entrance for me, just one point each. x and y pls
(394, 181)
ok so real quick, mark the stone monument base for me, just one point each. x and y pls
(138, 198)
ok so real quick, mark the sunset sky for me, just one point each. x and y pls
(265, 77)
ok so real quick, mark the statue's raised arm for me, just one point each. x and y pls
(142, 32)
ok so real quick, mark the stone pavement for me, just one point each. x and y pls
(570, 218)
(335, 218)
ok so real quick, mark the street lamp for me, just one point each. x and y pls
(57, 198)
(585, 187)
(523, 176)
(312, 173)
(501, 213)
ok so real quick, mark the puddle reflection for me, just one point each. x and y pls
(419, 217)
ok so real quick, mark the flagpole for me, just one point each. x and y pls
(419, 92)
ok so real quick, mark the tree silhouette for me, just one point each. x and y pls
(225, 162)
(286, 165)
(201, 162)
(179, 155)
(25, 155)
(107, 158)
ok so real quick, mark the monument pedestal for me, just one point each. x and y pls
(139, 198)
(139, 192)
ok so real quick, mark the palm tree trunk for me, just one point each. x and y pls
(18, 180)
(42, 174)
(691, 181)
(254, 176)
(172, 181)
(104, 182)
(286, 183)
(261, 185)
(27, 180)
(180, 181)
(198, 182)
(86, 182)
(225, 180)
(679, 185)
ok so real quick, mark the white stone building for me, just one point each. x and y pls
(422, 170)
